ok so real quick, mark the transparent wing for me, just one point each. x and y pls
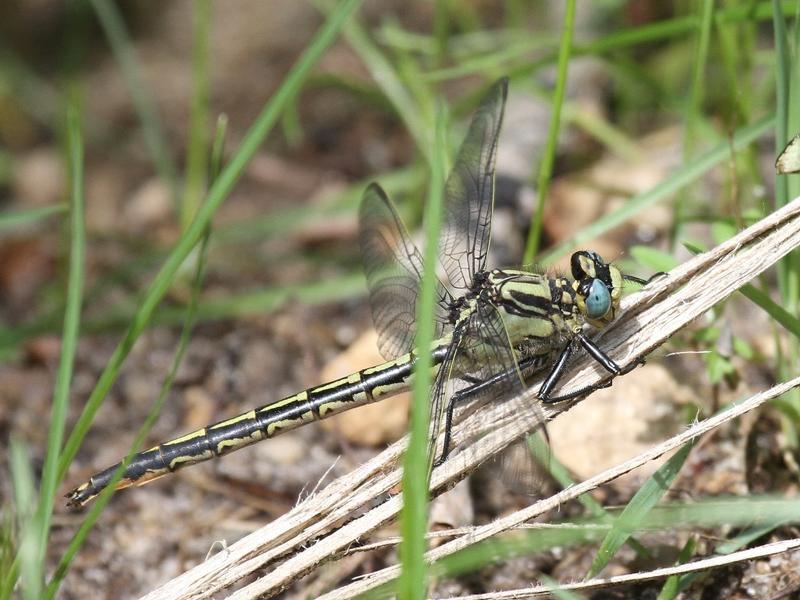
(444, 385)
(469, 193)
(393, 267)
(482, 352)
(516, 466)
(487, 339)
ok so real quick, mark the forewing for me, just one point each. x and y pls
(444, 384)
(484, 352)
(469, 193)
(393, 267)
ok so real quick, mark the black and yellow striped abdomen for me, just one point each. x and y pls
(538, 315)
(365, 386)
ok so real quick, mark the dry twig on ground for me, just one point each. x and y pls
(325, 525)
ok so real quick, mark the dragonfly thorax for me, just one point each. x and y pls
(527, 294)
(540, 306)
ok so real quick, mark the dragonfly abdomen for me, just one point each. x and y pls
(357, 389)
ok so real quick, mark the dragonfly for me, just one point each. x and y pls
(494, 329)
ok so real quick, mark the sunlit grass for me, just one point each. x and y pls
(31, 562)
(408, 71)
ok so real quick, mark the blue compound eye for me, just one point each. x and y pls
(598, 301)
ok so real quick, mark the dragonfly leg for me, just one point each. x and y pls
(457, 398)
(467, 393)
(647, 281)
(596, 353)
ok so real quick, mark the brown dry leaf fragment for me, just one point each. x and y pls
(38, 178)
(25, 266)
(150, 206)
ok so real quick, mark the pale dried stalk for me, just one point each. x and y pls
(634, 578)
(650, 317)
(513, 520)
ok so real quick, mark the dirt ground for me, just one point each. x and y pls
(149, 535)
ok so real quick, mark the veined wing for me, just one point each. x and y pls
(393, 266)
(469, 193)
(488, 338)
(481, 367)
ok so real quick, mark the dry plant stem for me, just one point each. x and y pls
(513, 520)
(634, 578)
(650, 317)
(393, 541)
(250, 553)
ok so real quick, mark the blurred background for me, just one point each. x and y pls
(668, 119)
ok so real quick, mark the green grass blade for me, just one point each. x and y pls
(515, 60)
(745, 538)
(752, 512)
(216, 196)
(694, 105)
(562, 476)
(218, 147)
(416, 463)
(122, 47)
(786, 63)
(495, 61)
(781, 316)
(441, 28)
(635, 512)
(287, 221)
(25, 499)
(259, 301)
(190, 318)
(787, 268)
(383, 72)
(783, 70)
(72, 317)
(698, 76)
(603, 131)
(672, 585)
(37, 532)
(35, 94)
(761, 299)
(538, 446)
(197, 147)
(105, 496)
(8, 551)
(793, 123)
(13, 220)
(677, 180)
(655, 260)
(549, 154)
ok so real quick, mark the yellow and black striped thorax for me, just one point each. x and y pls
(540, 306)
(534, 306)
(527, 294)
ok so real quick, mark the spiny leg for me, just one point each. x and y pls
(467, 393)
(647, 281)
(596, 353)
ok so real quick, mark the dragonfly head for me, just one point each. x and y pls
(598, 287)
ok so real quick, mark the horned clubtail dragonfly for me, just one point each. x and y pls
(494, 328)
